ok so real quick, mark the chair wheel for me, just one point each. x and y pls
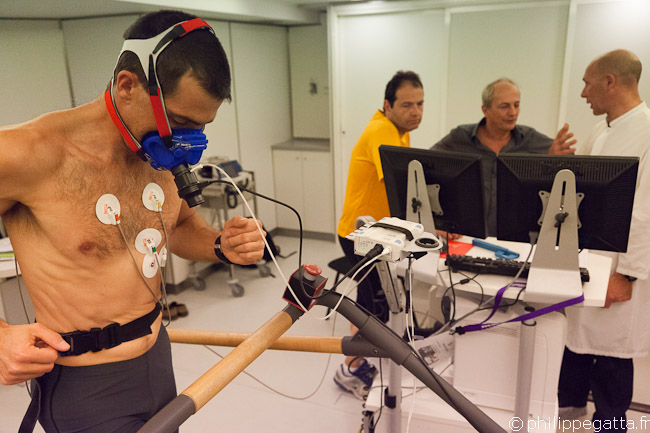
(198, 284)
(237, 290)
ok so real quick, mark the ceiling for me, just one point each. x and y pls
(289, 12)
(280, 12)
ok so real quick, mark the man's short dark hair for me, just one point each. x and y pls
(199, 52)
(398, 80)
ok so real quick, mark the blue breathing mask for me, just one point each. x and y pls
(187, 146)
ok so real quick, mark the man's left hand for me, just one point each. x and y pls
(618, 290)
(241, 241)
(562, 145)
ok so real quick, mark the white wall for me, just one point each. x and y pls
(309, 81)
(33, 77)
(601, 27)
(261, 66)
(523, 43)
(92, 46)
(223, 137)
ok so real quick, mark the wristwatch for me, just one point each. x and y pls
(219, 252)
(630, 279)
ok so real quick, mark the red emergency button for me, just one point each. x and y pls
(312, 271)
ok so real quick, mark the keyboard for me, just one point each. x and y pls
(483, 265)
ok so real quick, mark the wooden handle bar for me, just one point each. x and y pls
(231, 339)
(223, 372)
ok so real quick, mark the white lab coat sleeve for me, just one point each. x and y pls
(636, 261)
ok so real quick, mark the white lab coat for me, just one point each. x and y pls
(623, 330)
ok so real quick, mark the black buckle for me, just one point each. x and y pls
(111, 336)
(92, 341)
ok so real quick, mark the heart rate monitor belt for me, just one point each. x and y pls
(110, 336)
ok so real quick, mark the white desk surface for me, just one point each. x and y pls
(595, 290)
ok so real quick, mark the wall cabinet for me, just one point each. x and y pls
(303, 180)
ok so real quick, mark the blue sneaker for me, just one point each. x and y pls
(358, 382)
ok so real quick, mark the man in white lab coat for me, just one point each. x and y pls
(602, 342)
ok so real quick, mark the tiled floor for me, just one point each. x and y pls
(245, 405)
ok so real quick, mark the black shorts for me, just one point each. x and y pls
(117, 397)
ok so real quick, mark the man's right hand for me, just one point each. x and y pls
(27, 351)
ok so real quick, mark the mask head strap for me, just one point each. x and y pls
(130, 140)
(148, 51)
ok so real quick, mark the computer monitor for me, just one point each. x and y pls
(607, 184)
(458, 176)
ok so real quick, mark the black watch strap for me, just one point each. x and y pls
(630, 279)
(219, 253)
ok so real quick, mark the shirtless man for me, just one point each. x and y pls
(78, 270)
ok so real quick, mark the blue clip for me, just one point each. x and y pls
(500, 252)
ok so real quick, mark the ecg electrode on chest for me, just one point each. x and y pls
(107, 209)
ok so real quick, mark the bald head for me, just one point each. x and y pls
(623, 64)
(612, 83)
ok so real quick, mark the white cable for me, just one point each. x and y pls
(259, 228)
(349, 286)
(409, 317)
(267, 386)
(268, 248)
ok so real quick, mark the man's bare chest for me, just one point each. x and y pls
(77, 200)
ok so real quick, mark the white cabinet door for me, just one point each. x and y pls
(287, 169)
(318, 192)
(303, 180)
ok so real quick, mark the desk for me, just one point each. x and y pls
(426, 269)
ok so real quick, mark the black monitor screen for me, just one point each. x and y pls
(459, 178)
(607, 182)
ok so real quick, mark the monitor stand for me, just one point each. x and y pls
(554, 274)
(418, 209)
(418, 205)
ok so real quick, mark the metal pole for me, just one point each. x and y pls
(525, 369)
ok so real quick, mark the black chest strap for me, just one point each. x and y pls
(110, 336)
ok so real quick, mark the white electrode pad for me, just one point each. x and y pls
(147, 239)
(152, 196)
(107, 207)
(149, 266)
(162, 256)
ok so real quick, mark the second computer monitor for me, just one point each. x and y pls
(605, 184)
(458, 177)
